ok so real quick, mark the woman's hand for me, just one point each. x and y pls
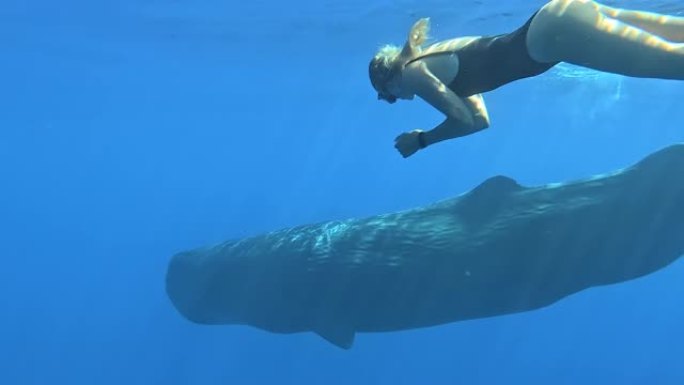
(408, 143)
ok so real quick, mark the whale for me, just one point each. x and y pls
(497, 249)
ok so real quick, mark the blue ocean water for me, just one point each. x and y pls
(132, 130)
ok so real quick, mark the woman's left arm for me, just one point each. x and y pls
(452, 128)
(464, 116)
(477, 106)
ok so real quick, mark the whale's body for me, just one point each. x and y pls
(498, 249)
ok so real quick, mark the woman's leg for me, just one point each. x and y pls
(667, 27)
(577, 32)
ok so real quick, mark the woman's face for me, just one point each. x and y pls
(391, 90)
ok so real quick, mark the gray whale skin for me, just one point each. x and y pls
(498, 249)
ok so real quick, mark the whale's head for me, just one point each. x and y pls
(207, 293)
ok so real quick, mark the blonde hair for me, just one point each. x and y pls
(418, 35)
(391, 58)
(387, 54)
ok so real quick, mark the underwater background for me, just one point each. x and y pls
(132, 130)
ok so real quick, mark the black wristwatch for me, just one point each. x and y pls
(421, 139)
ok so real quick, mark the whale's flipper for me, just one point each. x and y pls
(337, 334)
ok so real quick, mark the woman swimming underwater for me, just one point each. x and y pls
(451, 75)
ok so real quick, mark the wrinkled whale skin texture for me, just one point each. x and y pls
(498, 249)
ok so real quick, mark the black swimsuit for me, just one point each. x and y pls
(490, 62)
